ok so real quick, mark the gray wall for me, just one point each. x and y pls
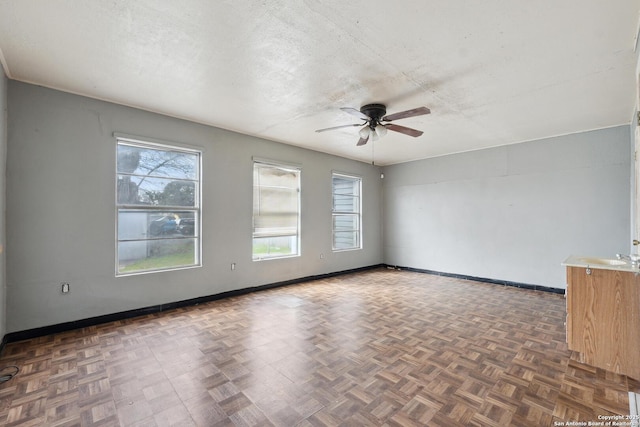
(513, 212)
(61, 210)
(3, 165)
(507, 213)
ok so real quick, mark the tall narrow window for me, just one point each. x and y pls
(346, 212)
(158, 207)
(276, 211)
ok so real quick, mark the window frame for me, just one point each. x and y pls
(196, 210)
(286, 167)
(335, 212)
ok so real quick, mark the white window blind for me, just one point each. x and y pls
(276, 210)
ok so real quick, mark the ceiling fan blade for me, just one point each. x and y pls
(359, 114)
(405, 130)
(339, 127)
(409, 113)
(362, 141)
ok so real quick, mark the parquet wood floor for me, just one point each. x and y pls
(379, 348)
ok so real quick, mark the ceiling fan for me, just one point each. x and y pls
(376, 124)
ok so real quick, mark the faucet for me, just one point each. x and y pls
(633, 259)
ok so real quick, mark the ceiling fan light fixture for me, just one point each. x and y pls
(381, 130)
(365, 132)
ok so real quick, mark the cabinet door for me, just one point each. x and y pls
(604, 307)
(579, 322)
(567, 323)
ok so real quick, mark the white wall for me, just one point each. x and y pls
(634, 131)
(511, 213)
(635, 145)
(3, 164)
(61, 210)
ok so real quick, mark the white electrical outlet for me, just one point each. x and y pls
(65, 287)
(233, 266)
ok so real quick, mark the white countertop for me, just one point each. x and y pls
(601, 263)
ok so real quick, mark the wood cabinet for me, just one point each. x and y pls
(603, 318)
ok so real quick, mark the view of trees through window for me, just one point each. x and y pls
(158, 201)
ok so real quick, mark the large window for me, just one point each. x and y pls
(346, 212)
(276, 210)
(158, 207)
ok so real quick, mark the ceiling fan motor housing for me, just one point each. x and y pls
(375, 111)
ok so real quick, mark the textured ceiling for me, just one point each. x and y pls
(493, 72)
